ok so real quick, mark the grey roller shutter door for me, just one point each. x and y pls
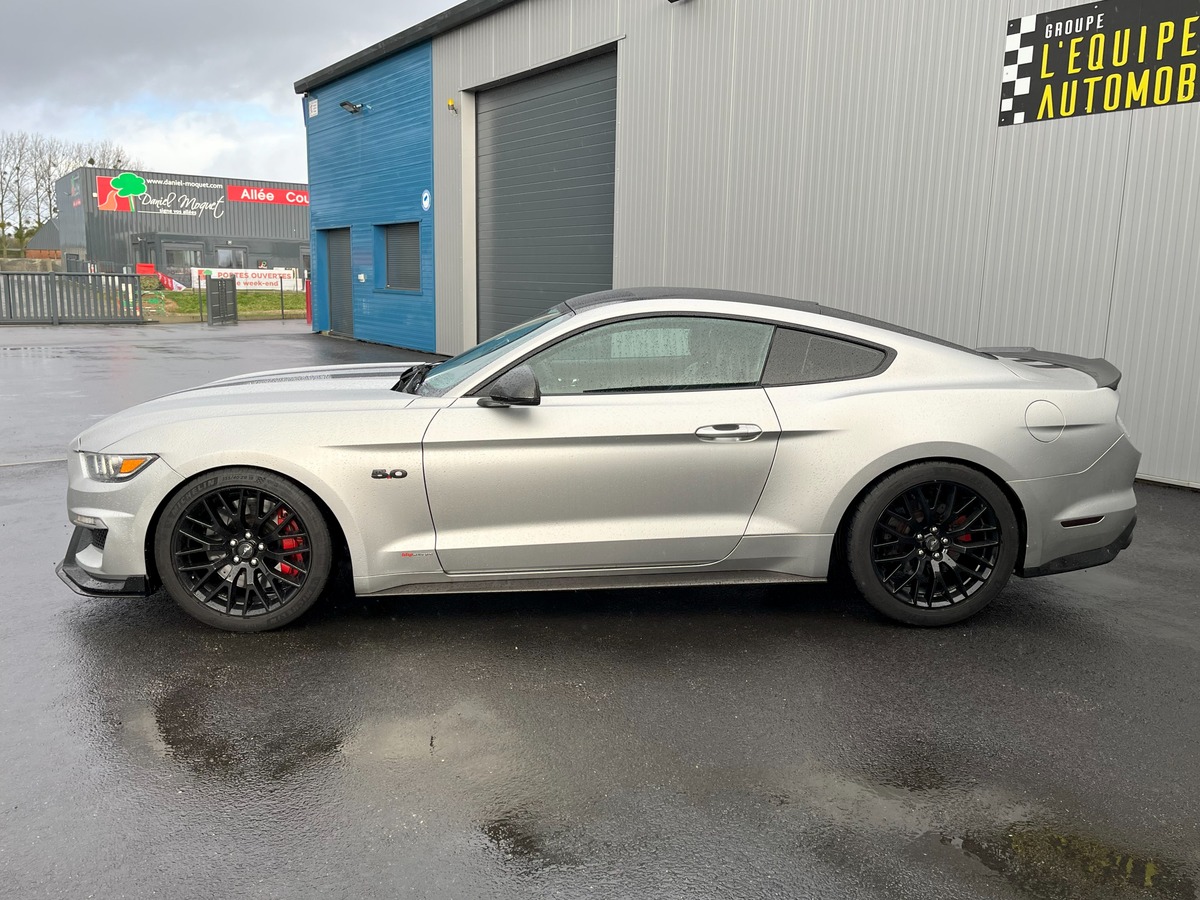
(341, 290)
(546, 156)
(404, 256)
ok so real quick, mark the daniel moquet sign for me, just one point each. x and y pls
(1100, 57)
(131, 192)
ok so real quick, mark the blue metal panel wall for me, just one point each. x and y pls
(367, 170)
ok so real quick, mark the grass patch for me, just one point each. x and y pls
(160, 304)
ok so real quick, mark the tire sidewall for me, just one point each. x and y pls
(860, 538)
(292, 495)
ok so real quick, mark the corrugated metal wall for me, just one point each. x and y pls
(848, 153)
(545, 154)
(277, 229)
(367, 170)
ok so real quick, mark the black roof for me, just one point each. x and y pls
(624, 295)
(621, 295)
(46, 237)
(441, 23)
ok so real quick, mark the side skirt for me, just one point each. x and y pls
(570, 583)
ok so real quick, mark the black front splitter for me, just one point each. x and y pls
(83, 582)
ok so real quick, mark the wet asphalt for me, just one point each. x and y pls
(723, 743)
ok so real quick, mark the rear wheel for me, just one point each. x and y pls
(243, 550)
(932, 543)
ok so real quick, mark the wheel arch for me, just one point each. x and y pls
(837, 553)
(337, 534)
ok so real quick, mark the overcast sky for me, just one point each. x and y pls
(194, 88)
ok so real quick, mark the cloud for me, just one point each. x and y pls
(195, 90)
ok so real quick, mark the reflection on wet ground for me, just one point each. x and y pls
(694, 743)
(1062, 866)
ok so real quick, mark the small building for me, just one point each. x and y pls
(995, 173)
(45, 242)
(110, 220)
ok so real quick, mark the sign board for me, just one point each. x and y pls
(245, 193)
(251, 279)
(1100, 57)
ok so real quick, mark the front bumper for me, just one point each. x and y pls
(107, 556)
(83, 582)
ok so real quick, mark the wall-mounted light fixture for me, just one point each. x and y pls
(450, 105)
(352, 108)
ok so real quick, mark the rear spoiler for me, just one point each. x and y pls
(1106, 374)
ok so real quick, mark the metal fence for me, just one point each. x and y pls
(55, 299)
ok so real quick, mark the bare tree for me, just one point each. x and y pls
(105, 154)
(10, 171)
(15, 185)
(48, 158)
(30, 166)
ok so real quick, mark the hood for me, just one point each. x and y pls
(354, 376)
(278, 392)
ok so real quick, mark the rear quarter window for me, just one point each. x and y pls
(803, 357)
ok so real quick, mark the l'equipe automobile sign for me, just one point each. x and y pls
(1100, 57)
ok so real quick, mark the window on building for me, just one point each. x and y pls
(801, 357)
(181, 257)
(403, 251)
(231, 257)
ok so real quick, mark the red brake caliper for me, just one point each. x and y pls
(290, 543)
(965, 537)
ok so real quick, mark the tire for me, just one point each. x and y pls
(932, 543)
(221, 516)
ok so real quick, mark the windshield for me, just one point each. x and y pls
(445, 376)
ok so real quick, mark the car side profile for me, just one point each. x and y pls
(634, 437)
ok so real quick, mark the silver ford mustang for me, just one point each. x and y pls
(633, 437)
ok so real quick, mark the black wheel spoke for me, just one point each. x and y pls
(944, 574)
(926, 512)
(905, 538)
(203, 557)
(282, 522)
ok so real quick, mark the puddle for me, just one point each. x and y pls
(519, 839)
(1058, 865)
(185, 727)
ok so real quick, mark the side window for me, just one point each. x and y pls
(800, 357)
(667, 353)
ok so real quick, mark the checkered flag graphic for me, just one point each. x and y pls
(1018, 67)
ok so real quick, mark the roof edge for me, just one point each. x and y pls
(445, 21)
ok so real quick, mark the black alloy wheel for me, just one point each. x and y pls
(243, 550)
(933, 543)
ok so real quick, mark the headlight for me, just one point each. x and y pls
(110, 467)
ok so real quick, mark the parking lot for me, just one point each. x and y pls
(723, 742)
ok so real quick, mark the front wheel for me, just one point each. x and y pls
(243, 550)
(932, 543)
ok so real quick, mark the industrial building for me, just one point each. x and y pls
(996, 173)
(110, 220)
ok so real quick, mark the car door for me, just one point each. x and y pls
(650, 447)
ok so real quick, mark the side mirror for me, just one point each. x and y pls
(516, 387)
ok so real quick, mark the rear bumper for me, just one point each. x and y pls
(82, 582)
(1081, 520)
(1086, 559)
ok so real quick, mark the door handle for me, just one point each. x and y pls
(732, 433)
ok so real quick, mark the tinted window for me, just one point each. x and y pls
(668, 353)
(449, 374)
(799, 357)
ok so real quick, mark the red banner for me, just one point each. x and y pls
(244, 193)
